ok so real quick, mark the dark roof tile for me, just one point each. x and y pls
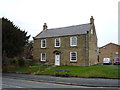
(64, 31)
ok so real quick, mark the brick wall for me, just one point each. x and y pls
(110, 50)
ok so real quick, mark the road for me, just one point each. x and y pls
(17, 83)
(65, 80)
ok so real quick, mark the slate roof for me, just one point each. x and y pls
(64, 31)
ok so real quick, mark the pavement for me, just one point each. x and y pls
(91, 82)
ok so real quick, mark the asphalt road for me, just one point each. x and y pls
(91, 82)
(17, 83)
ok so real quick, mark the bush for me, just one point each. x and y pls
(62, 75)
(28, 62)
(25, 62)
(5, 62)
(65, 75)
(21, 62)
(7, 68)
(14, 62)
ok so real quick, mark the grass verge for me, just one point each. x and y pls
(97, 71)
(104, 71)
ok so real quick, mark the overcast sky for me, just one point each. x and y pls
(30, 15)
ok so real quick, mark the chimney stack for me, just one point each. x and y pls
(91, 20)
(45, 26)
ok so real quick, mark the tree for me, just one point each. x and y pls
(28, 51)
(13, 39)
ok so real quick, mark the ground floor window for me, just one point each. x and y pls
(73, 56)
(43, 56)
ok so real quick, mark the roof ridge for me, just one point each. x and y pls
(109, 44)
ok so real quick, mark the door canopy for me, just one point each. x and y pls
(56, 51)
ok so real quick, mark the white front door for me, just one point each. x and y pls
(57, 59)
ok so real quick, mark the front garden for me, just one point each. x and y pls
(96, 71)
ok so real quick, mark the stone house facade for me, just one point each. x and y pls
(73, 45)
(109, 50)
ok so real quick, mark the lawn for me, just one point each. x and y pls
(104, 71)
(24, 69)
(99, 71)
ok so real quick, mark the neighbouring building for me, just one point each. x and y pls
(110, 50)
(72, 45)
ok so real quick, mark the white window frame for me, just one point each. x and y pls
(71, 57)
(71, 41)
(116, 53)
(56, 42)
(91, 31)
(42, 43)
(42, 57)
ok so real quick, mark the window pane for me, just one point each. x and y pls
(43, 41)
(57, 44)
(43, 45)
(57, 40)
(43, 56)
(73, 54)
(73, 58)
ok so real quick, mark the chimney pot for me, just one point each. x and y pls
(45, 26)
(91, 20)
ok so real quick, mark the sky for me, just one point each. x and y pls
(30, 15)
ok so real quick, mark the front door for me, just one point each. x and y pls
(57, 59)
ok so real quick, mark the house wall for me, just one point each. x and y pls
(109, 51)
(65, 50)
(92, 41)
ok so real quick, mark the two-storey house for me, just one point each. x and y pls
(72, 45)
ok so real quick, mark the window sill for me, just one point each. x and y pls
(73, 46)
(57, 47)
(43, 48)
(73, 61)
(43, 61)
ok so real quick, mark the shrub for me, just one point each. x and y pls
(14, 62)
(65, 75)
(7, 68)
(5, 62)
(21, 62)
(28, 62)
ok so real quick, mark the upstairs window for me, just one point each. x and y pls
(57, 42)
(73, 56)
(91, 31)
(43, 56)
(116, 52)
(43, 43)
(73, 41)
